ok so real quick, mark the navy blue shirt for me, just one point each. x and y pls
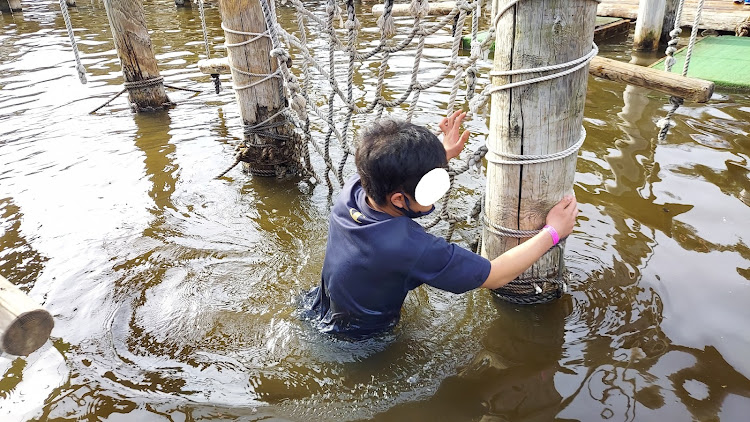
(372, 261)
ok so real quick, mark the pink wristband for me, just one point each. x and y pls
(552, 232)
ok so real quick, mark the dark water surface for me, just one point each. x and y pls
(174, 294)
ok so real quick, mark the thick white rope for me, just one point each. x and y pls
(254, 37)
(516, 159)
(79, 66)
(693, 37)
(203, 28)
(674, 35)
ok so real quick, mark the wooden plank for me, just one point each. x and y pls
(24, 325)
(611, 30)
(691, 89)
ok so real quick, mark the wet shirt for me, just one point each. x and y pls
(373, 260)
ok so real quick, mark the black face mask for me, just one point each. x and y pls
(409, 212)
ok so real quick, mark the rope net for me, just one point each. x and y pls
(321, 92)
(317, 96)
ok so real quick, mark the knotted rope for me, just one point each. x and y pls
(667, 123)
(214, 76)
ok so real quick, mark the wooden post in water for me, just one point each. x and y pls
(538, 119)
(182, 3)
(648, 26)
(270, 147)
(71, 3)
(142, 79)
(670, 16)
(24, 325)
(10, 6)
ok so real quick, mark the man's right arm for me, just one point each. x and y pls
(506, 267)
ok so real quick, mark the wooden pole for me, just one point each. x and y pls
(670, 16)
(269, 140)
(691, 89)
(535, 119)
(71, 3)
(182, 3)
(24, 325)
(649, 24)
(133, 43)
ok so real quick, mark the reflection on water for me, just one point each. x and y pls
(175, 295)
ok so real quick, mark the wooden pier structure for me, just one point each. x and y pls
(721, 15)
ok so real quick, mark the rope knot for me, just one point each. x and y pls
(477, 102)
(476, 48)
(299, 105)
(676, 101)
(669, 62)
(388, 26)
(293, 85)
(471, 82)
(280, 54)
(419, 8)
(465, 6)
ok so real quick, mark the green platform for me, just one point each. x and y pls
(722, 60)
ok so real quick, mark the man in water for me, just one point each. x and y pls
(376, 253)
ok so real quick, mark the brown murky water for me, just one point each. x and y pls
(175, 294)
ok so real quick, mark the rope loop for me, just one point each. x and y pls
(144, 83)
(517, 159)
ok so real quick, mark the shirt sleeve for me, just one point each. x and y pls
(450, 267)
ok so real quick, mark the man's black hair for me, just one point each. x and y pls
(393, 155)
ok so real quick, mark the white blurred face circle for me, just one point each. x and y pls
(432, 186)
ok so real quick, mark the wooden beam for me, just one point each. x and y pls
(691, 89)
(611, 30)
(24, 325)
(402, 9)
